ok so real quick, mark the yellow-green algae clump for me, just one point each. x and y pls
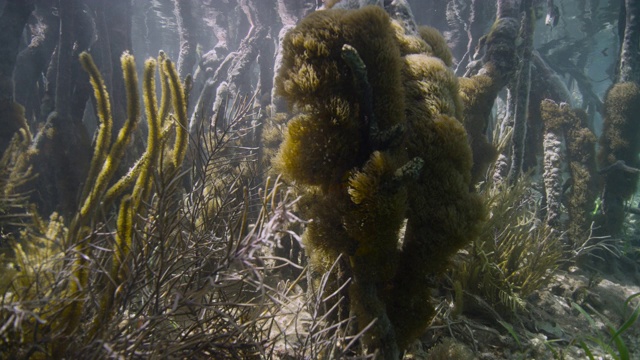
(442, 215)
(477, 95)
(439, 46)
(324, 141)
(356, 147)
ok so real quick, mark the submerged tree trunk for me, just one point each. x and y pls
(34, 59)
(66, 166)
(233, 72)
(63, 145)
(186, 29)
(12, 22)
(487, 77)
(521, 92)
(113, 21)
(620, 140)
(629, 53)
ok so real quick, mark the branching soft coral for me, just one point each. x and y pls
(66, 252)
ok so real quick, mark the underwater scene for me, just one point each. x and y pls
(320, 179)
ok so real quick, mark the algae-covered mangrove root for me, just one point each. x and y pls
(377, 118)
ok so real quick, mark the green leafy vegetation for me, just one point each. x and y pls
(613, 345)
(514, 255)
